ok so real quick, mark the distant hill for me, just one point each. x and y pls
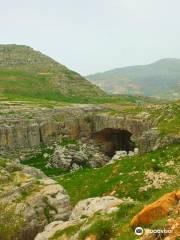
(159, 79)
(29, 74)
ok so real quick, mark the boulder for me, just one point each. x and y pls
(156, 210)
(52, 228)
(90, 206)
(37, 198)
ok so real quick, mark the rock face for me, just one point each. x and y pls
(145, 138)
(89, 206)
(133, 125)
(21, 134)
(156, 210)
(37, 198)
(27, 129)
(149, 140)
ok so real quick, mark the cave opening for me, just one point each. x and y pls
(111, 140)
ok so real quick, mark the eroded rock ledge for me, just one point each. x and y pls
(28, 129)
(35, 197)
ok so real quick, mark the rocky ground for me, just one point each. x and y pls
(57, 182)
(32, 197)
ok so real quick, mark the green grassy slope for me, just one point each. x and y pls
(160, 79)
(124, 179)
(28, 74)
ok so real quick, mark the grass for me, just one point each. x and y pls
(69, 231)
(21, 85)
(3, 163)
(26, 85)
(10, 222)
(125, 177)
(39, 161)
(101, 228)
(116, 177)
(166, 116)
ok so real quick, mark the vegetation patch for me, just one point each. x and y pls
(40, 161)
(10, 221)
(69, 231)
(101, 228)
(124, 177)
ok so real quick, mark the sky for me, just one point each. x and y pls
(90, 36)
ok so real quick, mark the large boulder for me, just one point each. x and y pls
(36, 198)
(156, 210)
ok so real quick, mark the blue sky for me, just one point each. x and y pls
(90, 36)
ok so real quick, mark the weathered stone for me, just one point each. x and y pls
(53, 227)
(89, 206)
(156, 210)
(37, 200)
(149, 140)
(75, 156)
(28, 128)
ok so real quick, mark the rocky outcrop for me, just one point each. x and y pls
(90, 206)
(27, 128)
(37, 198)
(79, 216)
(156, 210)
(143, 134)
(51, 229)
(22, 134)
(149, 140)
(30, 128)
(135, 126)
(76, 156)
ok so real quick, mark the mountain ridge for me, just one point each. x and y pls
(157, 79)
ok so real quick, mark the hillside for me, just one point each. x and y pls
(29, 74)
(159, 79)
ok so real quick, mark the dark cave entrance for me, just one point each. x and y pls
(111, 140)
